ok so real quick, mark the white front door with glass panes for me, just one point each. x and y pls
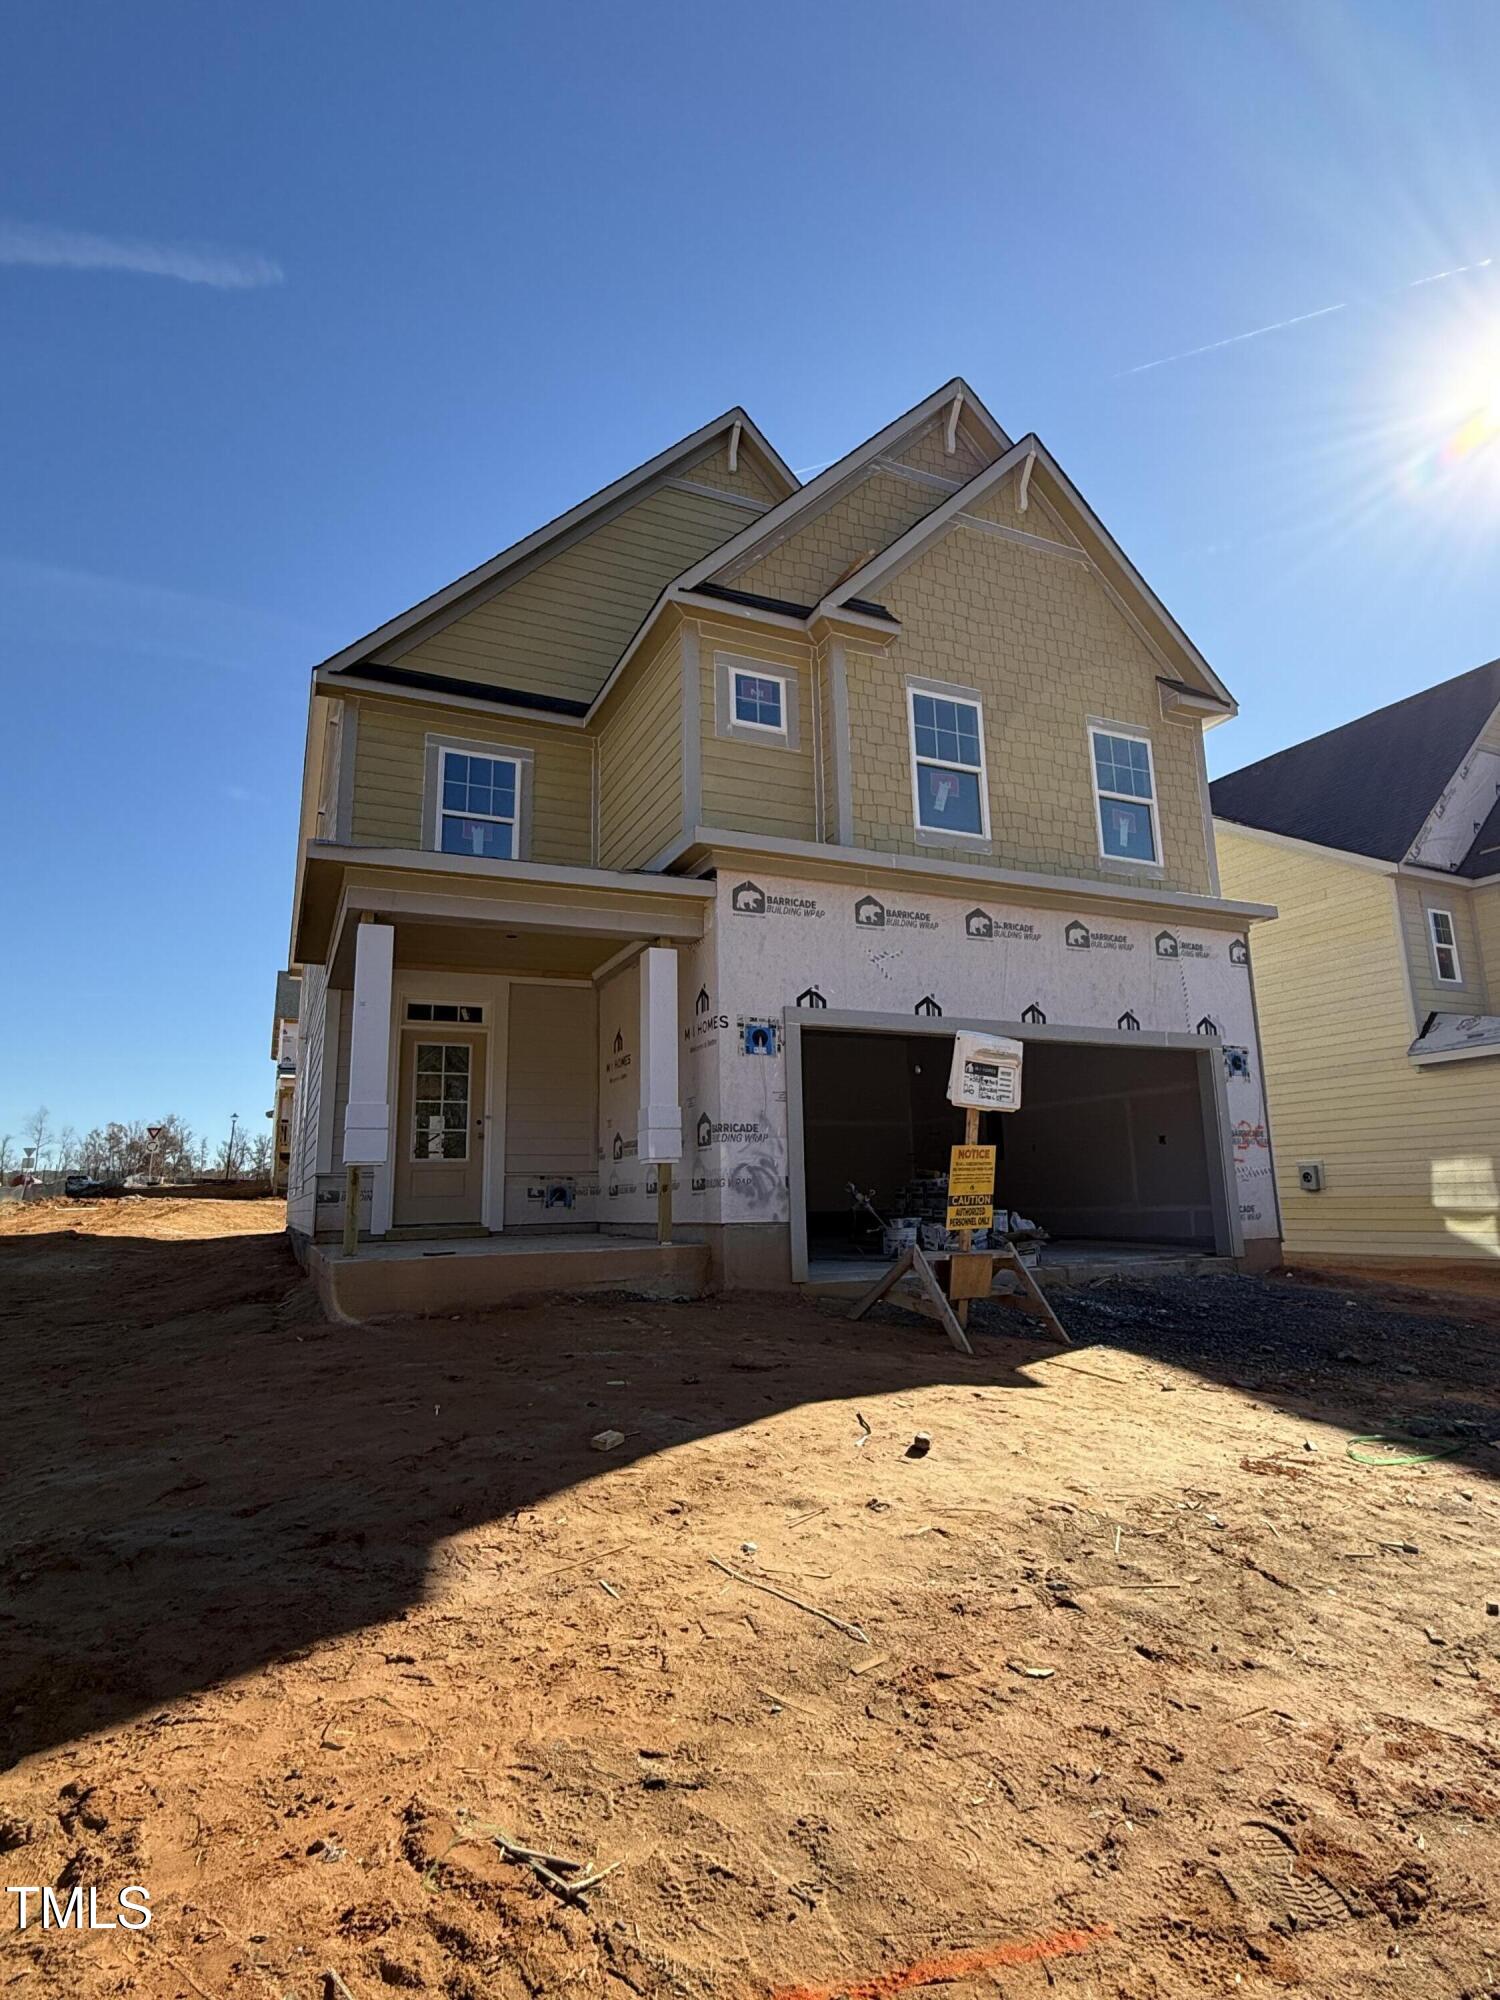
(439, 1175)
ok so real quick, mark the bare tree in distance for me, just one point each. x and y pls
(35, 1135)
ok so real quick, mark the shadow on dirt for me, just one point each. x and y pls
(202, 1477)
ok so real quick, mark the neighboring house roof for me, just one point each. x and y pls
(1369, 786)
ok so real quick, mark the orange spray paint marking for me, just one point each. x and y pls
(954, 1965)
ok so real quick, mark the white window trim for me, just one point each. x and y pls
(776, 729)
(511, 819)
(1439, 946)
(1098, 727)
(437, 750)
(970, 698)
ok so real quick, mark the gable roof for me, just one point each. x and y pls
(742, 549)
(1368, 786)
(493, 575)
(1128, 583)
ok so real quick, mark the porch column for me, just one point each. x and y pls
(368, 1119)
(659, 1125)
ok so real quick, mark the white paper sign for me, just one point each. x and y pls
(986, 1073)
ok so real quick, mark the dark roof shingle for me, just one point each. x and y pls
(1368, 786)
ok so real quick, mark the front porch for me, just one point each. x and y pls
(458, 1276)
(498, 1100)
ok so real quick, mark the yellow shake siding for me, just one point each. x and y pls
(560, 629)
(1430, 994)
(746, 477)
(1409, 1155)
(926, 453)
(1045, 647)
(855, 527)
(390, 772)
(750, 787)
(640, 759)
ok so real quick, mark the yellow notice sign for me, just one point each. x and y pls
(970, 1211)
(971, 1187)
(971, 1170)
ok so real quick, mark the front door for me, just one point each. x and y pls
(440, 1128)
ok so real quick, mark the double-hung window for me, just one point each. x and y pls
(1445, 947)
(1125, 792)
(760, 701)
(479, 804)
(947, 758)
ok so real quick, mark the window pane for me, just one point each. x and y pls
(1122, 764)
(947, 731)
(948, 801)
(757, 699)
(1126, 830)
(429, 1055)
(456, 1058)
(487, 837)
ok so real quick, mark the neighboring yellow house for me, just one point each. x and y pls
(651, 865)
(1379, 843)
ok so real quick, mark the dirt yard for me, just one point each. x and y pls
(1136, 1684)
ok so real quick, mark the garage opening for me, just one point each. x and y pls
(1110, 1146)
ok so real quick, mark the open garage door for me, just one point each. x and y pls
(1113, 1145)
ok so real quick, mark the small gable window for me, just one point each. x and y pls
(947, 754)
(760, 701)
(480, 801)
(1445, 947)
(1125, 792)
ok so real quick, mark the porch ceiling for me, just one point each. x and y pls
(447, 947)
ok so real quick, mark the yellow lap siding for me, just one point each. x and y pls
(751, 787)
(560, 629)
(390, 773)
(1410, 1156)
(640, 760)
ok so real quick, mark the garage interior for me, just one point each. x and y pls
(1109, 1147)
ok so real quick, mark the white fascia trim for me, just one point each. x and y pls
(1311, 847)
(938, 481)
(1042, 544)
(618, 489)
(426, 861)
(325, 681)
(830, 482)
(741, 500)
(726, 840)
(1451, 1056)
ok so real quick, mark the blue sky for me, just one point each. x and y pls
(305, 310)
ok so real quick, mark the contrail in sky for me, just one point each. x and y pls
(77, 250)
(1297, 319)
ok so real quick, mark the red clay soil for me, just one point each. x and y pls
(1120, 1690)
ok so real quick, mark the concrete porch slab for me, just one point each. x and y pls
(457, 1276)
(1060, 1267)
